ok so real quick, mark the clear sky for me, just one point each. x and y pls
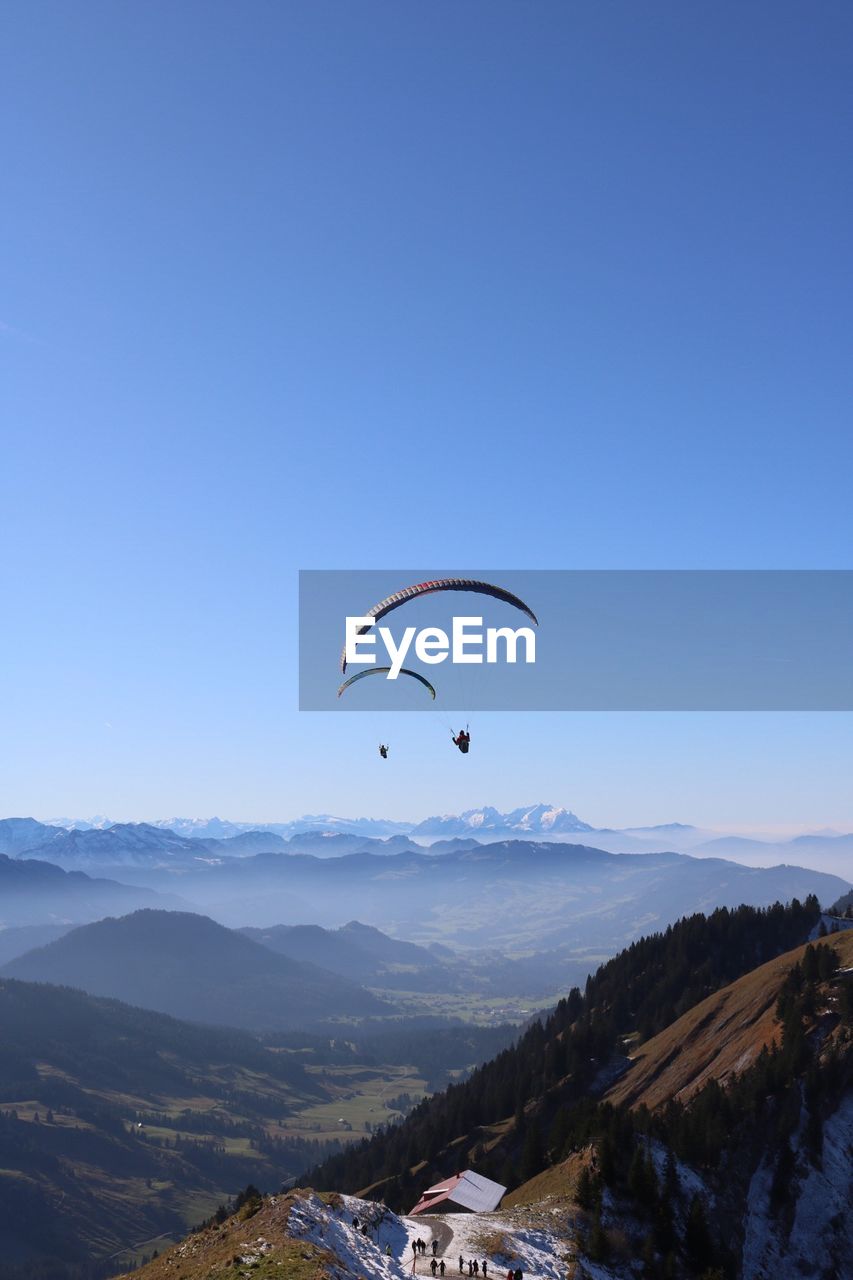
(338, 285)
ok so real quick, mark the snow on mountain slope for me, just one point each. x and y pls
(300, 1227)
(538, 1251)
(539, 819)
(820, 1239)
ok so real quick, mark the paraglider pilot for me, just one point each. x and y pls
(462, 741)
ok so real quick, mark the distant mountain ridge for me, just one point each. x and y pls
(188, 966)
(144, 845)
(533, 819)
(34, 891)
(537, 819)
(223, 829)
(357, 951)
(105, 847)
(527, 894)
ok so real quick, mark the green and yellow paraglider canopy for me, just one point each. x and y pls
(378, 671)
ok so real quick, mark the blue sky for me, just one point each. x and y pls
(334, 285)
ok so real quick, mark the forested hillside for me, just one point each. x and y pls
(735, 1170)
(119, 1124)
(638, 993)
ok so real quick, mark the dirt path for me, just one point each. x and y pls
(443, 1233)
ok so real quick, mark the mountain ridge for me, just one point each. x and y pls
(188, 966)
(32, 887)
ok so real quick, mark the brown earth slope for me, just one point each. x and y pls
(259, 1243)
(721, 1036)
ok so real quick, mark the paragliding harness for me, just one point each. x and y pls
(383, 751)
(463, 740)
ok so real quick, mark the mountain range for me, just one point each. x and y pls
(90, 844)
(516, 895)
(539, 819)
(531, 916)
(118, 1123)
(190, 967)
(357, 951)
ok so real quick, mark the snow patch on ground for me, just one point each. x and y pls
(690, 1182)
(826, 1195)
(822, 1232)
(596, 1271)
(832, 924)
(537, 1252)
(358, 1255)
(385, 1252)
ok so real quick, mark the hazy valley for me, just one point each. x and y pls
(186, 1013)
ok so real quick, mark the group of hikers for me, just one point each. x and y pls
(419, 1246)
(481, 1269)
(474, 1267)
(365, 1227)
(437, 1265)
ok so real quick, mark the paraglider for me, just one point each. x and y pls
(378, 671)
(439, 584)
(462, 741)
(383, 750)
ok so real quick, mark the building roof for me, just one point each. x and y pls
(468, 1190)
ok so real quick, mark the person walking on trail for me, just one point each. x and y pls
(434, 1247)
(485, 1272)
(476, 1267)
(470, 1267)
(461, 1265)
(433, 1266)
(441, 1267)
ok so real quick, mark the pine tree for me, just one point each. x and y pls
(607, 1160)
(637, 1176)
(598, 1246)
(648, 1258)
(584, 1192)
(533, 1156)
(697, 1237)
(780, 1190)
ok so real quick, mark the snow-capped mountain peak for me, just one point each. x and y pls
(536, 819)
